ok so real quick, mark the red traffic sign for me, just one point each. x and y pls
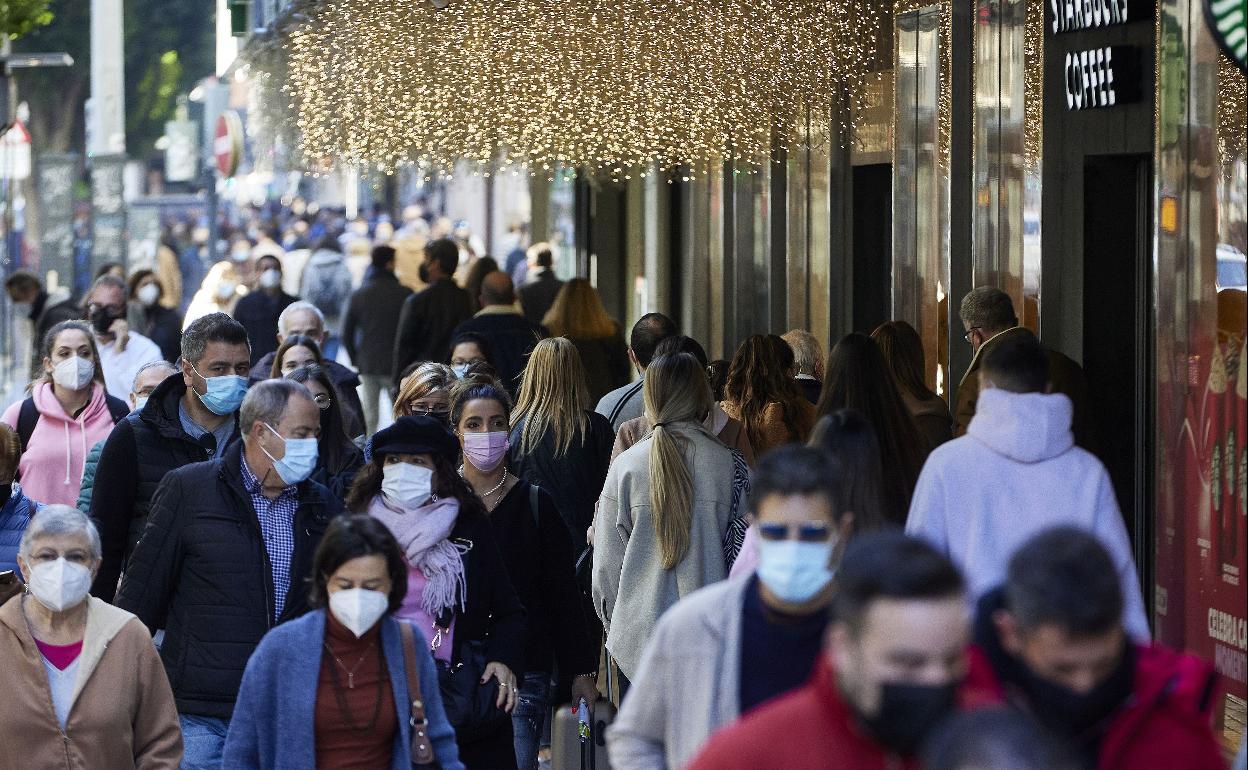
(227, 143)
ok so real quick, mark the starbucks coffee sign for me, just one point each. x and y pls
(1097, 76)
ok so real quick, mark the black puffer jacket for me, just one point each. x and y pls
(136, 456)
(202, 573)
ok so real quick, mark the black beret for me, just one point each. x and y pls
(413, 435)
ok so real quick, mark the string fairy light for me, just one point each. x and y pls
(604, 86)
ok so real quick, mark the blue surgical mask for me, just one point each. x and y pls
(460, 369)
(298, 462)
(225, 394)
(139, 403)
(793, 570)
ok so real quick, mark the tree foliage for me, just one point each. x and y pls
(18, 17)
(169, 46)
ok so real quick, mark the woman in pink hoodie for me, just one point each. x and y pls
(73, 414)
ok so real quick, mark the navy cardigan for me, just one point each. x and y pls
(272, 727)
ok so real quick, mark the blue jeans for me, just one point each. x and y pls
(203, 739)
(529, 716)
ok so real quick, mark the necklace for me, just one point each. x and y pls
(350, 671)
(492, 491)
(344, 708)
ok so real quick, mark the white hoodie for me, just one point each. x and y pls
(1015, 473)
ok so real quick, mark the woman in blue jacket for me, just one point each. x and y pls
(330, 688)
(15, 507)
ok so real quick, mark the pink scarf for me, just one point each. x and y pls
(422, 534)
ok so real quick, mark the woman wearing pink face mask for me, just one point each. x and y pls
(537, 549)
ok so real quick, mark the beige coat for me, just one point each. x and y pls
(123, 715)
(631, 588)
(689, 682)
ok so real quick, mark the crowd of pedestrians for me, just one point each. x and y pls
(794, 558)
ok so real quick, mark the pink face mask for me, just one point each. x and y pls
(485, 450)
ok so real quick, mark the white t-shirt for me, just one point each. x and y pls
(120, 368)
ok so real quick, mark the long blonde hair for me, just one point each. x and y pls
(554, 396)
(578, 313)
(675, 391)
(427, 378)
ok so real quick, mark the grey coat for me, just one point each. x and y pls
(631, 588)
(689, 682)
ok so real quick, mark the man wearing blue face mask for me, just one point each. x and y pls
(226, 556)
(733, 645)
(190, 417)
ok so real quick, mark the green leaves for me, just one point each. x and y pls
(17, 17)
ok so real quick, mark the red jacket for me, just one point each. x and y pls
(812, 728)
(1167, 723)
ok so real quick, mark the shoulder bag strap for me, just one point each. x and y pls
(422, 747)
(534, 490)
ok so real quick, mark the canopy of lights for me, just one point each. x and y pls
(603, 85)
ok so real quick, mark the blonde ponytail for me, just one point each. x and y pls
(676, 391)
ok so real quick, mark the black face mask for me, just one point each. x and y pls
(101, 319)
(908, 714)
(442, 417)
(423, 271)
(1067, 711)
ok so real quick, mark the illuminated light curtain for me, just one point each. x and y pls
(611, 87)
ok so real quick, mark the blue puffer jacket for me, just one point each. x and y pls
(14, 516)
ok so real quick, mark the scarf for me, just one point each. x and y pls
(423, 535)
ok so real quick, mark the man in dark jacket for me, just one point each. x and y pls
(988, 317)
(187, 419)
(368, 329)
(227, 555)
(429, 317)
(258, 311)
(538, 294)
(44, 311)
(305, 320)
(1054, 636)
(511, 336)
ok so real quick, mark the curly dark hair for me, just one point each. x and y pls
(760, 375)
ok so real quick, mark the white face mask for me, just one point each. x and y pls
(139, 403)
(406, 484)
(358, 609)
(73, 373)
(225, 290)
(60, 584)
(149, 294)
(270, 279)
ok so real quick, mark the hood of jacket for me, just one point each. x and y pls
(1024, 427)
(324, 257)
(51, 409)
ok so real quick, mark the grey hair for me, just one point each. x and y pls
(989, 309)
(807, 354)
(108, 279)
(52, 520)
(145, 368)
(295, 307)
(214, 327)
(266, 402)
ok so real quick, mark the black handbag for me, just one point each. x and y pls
(469, 704)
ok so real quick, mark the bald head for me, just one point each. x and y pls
(496, 289)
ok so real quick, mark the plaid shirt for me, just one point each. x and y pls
(277, 524)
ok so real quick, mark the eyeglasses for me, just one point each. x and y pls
(967, 336)
(803, 531)
(323, 401)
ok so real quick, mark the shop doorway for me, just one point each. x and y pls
(873, 245)
(1117, 325)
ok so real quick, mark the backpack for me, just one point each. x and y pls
(29, 416)
(323, 289)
